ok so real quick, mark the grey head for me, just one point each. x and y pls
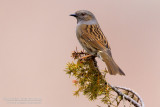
(84, 17)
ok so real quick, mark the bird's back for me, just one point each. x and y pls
(93, 35)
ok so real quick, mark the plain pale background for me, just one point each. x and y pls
(38, 36)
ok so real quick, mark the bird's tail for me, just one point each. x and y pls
(113, 68)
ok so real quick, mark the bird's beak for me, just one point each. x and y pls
(74, 15)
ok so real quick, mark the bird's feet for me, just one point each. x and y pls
(87, 56)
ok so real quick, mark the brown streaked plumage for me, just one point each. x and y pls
(93, 40)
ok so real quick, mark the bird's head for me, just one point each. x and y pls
(83, 15)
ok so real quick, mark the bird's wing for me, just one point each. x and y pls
(93, 35)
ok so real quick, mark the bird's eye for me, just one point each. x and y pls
(83, 14)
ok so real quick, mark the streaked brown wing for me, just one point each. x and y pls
(93, 35)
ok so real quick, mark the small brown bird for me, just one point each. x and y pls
(93, 40)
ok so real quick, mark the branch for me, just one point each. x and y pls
(127, 97)
(131, 100)
(93, 84)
